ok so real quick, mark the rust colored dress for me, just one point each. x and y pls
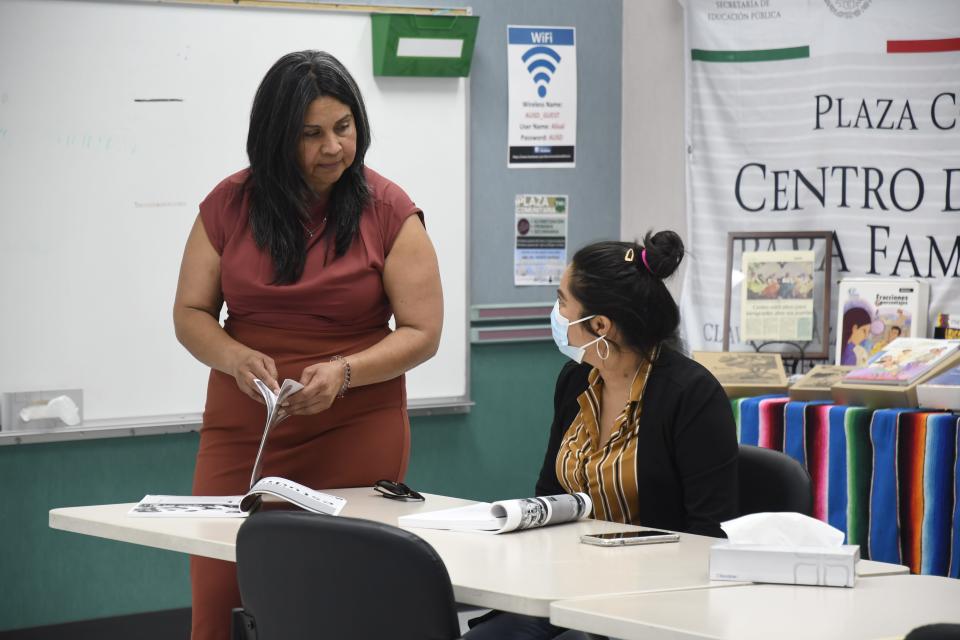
(338, 307)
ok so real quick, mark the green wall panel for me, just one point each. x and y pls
(496, 450)
(50, 577)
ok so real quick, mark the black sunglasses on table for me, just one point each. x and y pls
(397, 491)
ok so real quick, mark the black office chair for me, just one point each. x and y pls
(941, 631)
(304, 575)
(772, 481)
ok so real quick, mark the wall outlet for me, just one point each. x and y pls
(13, 402)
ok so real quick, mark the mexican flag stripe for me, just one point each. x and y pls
(754, 55)
(923, 46)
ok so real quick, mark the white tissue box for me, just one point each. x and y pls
(821, 566)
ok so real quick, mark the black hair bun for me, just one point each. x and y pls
(664, 252)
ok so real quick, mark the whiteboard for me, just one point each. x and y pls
(99, 189)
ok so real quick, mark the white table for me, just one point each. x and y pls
(878, 607)
(520, 572)
(216, 537)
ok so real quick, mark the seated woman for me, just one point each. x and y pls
(647, 432)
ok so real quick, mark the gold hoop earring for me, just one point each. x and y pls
(603, 341)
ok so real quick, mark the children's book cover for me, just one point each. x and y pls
(873, 312)
(903, 361)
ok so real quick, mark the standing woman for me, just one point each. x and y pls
(647, 432)
(312, 252)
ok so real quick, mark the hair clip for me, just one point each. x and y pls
(629, 255)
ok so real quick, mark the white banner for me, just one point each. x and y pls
(541, 96)
(822, 115)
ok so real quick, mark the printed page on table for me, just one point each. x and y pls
(188, 507)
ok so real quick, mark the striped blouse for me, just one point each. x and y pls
(607, 472)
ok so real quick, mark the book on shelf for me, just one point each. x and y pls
(941, 391)
(903, 361)
(947, 326)
(745, 373)
(872, 312)
(893, 381)
(269, 489)
(504, 515)
(817, 383)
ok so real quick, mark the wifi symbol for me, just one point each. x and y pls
(540, 66)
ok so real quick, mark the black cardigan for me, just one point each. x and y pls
(687, 447)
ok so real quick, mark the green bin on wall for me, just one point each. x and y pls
(423, 45)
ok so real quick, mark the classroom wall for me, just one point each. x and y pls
(652, 169)
(52, 576)
(593, 186)
(495, 451)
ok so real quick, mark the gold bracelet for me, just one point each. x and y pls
(346, 375)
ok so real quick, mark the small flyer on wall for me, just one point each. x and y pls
(542, 96)
(540, 255)
(777, 298)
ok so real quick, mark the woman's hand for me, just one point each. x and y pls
(196, 318)
(250, 364)
(321, 384)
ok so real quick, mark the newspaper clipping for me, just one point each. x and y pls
(777, 299)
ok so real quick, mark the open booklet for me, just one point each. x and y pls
(270, 489)
(273, 401)
(504, 515)
(265, 490)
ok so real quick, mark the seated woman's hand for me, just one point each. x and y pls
(321, 384)
(250, 364)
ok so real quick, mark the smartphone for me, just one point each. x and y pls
(623, 538)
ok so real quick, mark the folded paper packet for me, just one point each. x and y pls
(786, 548)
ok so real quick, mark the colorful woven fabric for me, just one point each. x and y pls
(883, 541)
(859, 470)
(806, 439)
(889, 479)
(819, 455)
(770, 432)
(938, 494)
(836, 499)
(793, 432)
(754, 413)
(911, 457)
(735, 405)
(955, 527)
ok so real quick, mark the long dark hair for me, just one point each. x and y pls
(621, 281)
(280, 196)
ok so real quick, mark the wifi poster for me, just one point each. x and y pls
(542, 95)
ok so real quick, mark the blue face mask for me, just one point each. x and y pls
(561, 326)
